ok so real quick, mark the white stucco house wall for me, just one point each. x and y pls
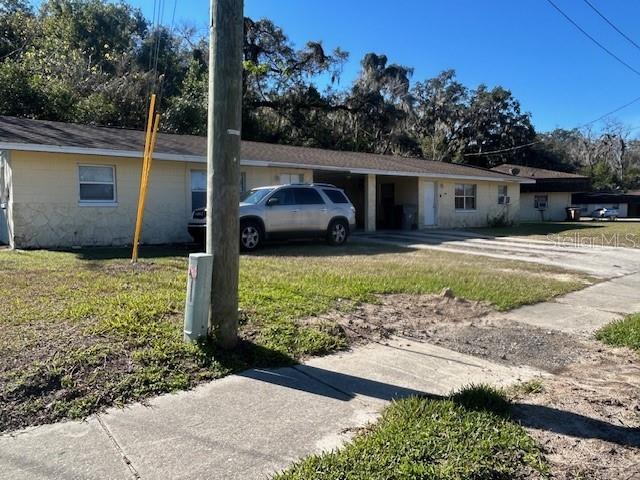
(549, 197)
(65, 185)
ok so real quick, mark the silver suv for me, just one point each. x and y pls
(288, 211)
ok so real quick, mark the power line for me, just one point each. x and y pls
(585, 33)
(611, 24)
(609, 113)
(502, 150)
(518, 147)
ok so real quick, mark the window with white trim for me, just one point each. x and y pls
(465, 196)
(198, 189)
(97, 183)
(503, 195)
(540, 202)
(287, 178)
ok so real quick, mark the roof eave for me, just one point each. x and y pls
(247, 162)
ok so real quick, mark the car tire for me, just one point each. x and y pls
(338, 232)
(250, 236)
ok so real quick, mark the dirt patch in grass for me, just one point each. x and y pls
(402, 315)
(465, 326)
(587, 418)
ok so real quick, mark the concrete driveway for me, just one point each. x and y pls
(603, 262)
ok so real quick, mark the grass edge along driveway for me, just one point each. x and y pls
(83, 330)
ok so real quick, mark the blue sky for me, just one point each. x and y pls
(524, 45)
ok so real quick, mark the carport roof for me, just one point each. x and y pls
(47, 136)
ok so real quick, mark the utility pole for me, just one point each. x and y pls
(223, 165)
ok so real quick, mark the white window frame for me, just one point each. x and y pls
(536, 203)
(464, 196)
(191, 190)
(502, 197)
(98, 203)
(283, 176)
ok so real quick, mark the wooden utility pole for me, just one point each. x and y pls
(223, 165)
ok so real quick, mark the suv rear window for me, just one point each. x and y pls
(307, 196)
(336, 196)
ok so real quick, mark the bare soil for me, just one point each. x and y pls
(588, 419)
(588, 416)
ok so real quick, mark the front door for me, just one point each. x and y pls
(429, 204)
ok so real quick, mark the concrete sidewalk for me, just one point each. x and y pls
(245, 426)
(585, 311)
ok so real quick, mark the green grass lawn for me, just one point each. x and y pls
(85, 329)
(623, 333)
(466, 436)
(620, 233)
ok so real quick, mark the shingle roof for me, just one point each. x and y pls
(536, 173)
(15, 132)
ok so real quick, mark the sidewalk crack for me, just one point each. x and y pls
(125, 459)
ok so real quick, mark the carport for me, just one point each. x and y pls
(382, 202)
(353, 184)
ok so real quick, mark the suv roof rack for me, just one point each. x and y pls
(323, 185)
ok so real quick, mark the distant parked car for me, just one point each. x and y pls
(605, 214)
(286, 212)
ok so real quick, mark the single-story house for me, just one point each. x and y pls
(548, 198)
(627, 204)
(64, 185)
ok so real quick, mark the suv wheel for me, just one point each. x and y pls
(338, 232)
(250, 236)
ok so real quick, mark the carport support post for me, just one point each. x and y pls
(370, 203)
(223, 171)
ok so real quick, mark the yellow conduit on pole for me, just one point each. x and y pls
(150, 142)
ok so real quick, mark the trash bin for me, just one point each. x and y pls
(409, 216)
(573, 214)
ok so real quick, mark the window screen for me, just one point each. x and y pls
(198, 189)
(288, 178)
(97, 183)
(503, 194)
(465, 196)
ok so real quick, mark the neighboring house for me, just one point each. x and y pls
(67, 185)
(627, 204)
(548, 198)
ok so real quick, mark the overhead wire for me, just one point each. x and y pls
(593, 39)
(611, 24)
(601, 117)
(518, 147)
